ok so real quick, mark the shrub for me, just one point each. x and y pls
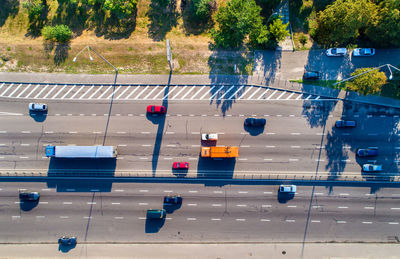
(58, 33)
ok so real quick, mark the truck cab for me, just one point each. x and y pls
(50, 151)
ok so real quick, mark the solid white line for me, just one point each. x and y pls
(240, 219)
(118, 217)
(267, 192)
(341, 222)
(192, 204)
(222, 96)
(367, 222)
(43, 202)
(104, 92)
(295, 133)
(393, 223)
(25, 145)
(34, 89)
(121, 145)
(86, 217)
(218, 191)
(261, 95)
(215, 219)
(67, 202)
(83, 86)
(256, 91)
(145, 98)
(290, 96)
(193, 191)
(72, 88)
(293, 159)
(281, 95)
(176, 95)
(91, 203)
(216, 205)
(113, 93)
(16, 89)
(23, 91)
(292, 206)
(395, 208)
(95, 92)
(243, 94)
(168, 191)
(273, 93)
(267, 159)
(343, 207)
(290, 220)
(123, 92)
(265, 220)
(319, 193)
(159, 93)
(243, 159)
(369, 208)
(115, 203)
(191, 219)
(141, 217)
(143, 158)
(344, 194)
(40, 217)
(190, 90)
(64, 217)
(243, 192)
(295, 146)
(9, 87)
(315, 221)
(143, 190)
(201, 89)
(209, 91)
(137, 96)
(241, 205)
(230, 97)
(143, 203)
(169, 92)
(86, 92)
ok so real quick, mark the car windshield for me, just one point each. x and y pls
(152, 108)
(334, 51)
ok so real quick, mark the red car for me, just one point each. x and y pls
(180, 165)
(155, 109)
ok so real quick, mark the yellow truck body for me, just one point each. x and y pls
(220, 152)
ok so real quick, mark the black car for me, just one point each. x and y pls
(64, 240)
(172, 199)
(345, 124)
(312, 75)
(255, 122)
(366, 152)
(29, 196)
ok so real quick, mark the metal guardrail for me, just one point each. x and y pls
(200, 175)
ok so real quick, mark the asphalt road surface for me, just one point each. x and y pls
(299, 138)
(226, 214)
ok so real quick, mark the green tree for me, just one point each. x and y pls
(235, 21)
(58, 33)
(368, 83)
(277, 31)
(120, 8)
(385, 32)
(201, 9)
(342, 22)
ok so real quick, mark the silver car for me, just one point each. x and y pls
(366, 52)
(371, 168)
(336, 52)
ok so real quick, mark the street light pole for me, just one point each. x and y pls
(114, 84)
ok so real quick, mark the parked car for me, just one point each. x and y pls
(363, 52)
(255, 122)
(172, 199)
(371, 168)
(365, 152)
(156, 109)
(312, 75)
(180, 165)
(336, 52)
(40, 107)
(156, 214)
(345, 124)
(209, 136)
(65, 240)
(287, 188)
(29, 196)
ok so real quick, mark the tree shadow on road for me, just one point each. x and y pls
(163, 17)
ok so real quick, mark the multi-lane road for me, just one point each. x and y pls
(299, 139)
(229, 213)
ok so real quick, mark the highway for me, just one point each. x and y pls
(146, 143)
(225, 214)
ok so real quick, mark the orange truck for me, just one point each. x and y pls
(220, 152)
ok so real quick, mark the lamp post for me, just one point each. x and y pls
(376, 68)
(115, 81)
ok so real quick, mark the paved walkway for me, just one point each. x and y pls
(205, 251)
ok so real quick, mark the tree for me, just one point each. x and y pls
(368, 83)
(385, 32)
(277, 31)
(201, 9)
(58, 33)
(343, 21)
(120, 8)
(235, 21)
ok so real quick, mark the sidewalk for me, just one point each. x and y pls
(205, 251)
(196, 79)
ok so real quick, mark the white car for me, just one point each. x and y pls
(371, 168)
(287, 188)
(366, 52)
(38, 107)
(209, 136)
(336, 52)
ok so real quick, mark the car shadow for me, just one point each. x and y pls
(38, 116)
(208, 143)
(170, 208)
(254, 131)
(284, 197)
(215, 169)
(154, 225)
(28, 205)
(65, 248)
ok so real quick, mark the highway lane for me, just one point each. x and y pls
(229, 213)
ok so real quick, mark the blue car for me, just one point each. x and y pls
(67, 241)
(345, 124)
(365, 152)
(253, 122)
